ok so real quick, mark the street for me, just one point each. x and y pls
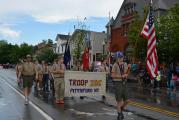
(43, 108)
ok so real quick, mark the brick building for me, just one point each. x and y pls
(126, 15)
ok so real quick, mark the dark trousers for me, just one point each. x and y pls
(45, 82)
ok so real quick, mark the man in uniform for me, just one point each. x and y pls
(28, 73)
(46, 72)
(40, 75)
(120, 71)
(58, 73)
(77, 67)
(104, 67)
(18, 68)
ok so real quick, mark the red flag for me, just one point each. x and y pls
(148, 32)
(86, 60)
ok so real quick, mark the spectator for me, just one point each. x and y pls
(173, 81)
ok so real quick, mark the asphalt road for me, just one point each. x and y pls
(43, 108)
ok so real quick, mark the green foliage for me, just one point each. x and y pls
(47, 55)
(3, 42)
(79, 45)
(11, 53)
(25, 49)
(50, 42)
(167, 32)
(168, 36)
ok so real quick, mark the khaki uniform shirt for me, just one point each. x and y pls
(45, 69)
(57, 67)
(116, 70)
(77, 68)
(104, 68)
(18, 69)
(38, 68)
(28, 69)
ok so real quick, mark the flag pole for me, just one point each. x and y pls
(109, 42)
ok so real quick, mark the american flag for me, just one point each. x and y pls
(148, 32)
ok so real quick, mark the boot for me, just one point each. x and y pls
(122, 108)
(120, 116)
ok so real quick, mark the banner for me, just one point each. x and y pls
(79, 83)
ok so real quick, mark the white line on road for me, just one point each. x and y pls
(31, 103)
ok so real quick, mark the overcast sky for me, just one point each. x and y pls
(34, 20)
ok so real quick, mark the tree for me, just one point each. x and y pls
(3, 42)
(12, 53)
(79, 44)
(25, 49)
(5, 51)
(50, 42)
(47, 55)
(168, 35)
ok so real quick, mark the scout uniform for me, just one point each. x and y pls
(28, 73)
(45, 77)
(18, 69)
(59, 81)
(40, 74)
(104, 68)
(120, 84)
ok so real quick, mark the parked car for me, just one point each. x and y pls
(1, 66)
(5, 66)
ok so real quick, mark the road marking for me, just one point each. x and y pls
(92, 114)
(30, 102)
(156, 109)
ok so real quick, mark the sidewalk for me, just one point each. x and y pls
(153, 105)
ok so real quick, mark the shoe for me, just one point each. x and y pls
(57, 101)
(26, 101)
(120, 116)
(19, 84)
(61, 101)
(81, 97)
(47, 92)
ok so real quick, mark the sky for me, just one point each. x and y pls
(32, 21)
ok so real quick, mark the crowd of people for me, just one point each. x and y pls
(49, 77)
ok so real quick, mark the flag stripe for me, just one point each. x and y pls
(148, 32)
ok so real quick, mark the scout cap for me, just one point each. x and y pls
(28, 56)
(119, 55)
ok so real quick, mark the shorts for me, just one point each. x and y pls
(121, 91)
(28, 81)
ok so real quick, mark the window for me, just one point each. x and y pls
(58, 49)
(129, 8)
(62, 48)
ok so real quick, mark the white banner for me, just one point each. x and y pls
(78, 83)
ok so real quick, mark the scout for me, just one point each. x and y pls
(29, 74)
(58, 73)
(120, 71)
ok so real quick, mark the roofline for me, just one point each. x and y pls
(118, 13)
(63, 35)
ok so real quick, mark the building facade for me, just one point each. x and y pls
(127, 14)
(60, 45)
(95, 41)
